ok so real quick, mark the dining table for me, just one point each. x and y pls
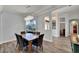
(30, 37)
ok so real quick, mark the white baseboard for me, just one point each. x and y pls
(7, 41)
(48, 40)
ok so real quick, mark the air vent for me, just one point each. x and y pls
(69, 5)
(27, 6)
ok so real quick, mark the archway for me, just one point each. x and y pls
(74, 27)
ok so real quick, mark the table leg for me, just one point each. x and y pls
(30, 46)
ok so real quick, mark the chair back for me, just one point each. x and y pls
(22, 32)
(19, 40)
(38, 33)
(40, 40)
(29, 32)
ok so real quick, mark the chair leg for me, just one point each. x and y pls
(17, 48)
(36, 49)
(42, 48)
(23, 49)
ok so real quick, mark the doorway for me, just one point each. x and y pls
(74, 27)
(62, 29)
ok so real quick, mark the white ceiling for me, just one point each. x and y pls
(29, 9)
(68, 9)
(36, 9)
(23, 8)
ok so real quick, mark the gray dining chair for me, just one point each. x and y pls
(38, 42)
(21, 42)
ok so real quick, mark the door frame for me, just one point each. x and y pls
(64, 27)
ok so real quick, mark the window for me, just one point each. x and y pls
(31, 24)
(47, 23)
